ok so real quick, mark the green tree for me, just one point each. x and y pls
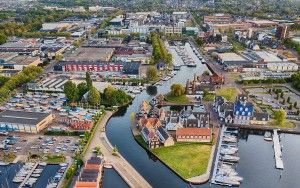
(58, 57)
(177, 90)
(280, 116)
(152, 73)
(288, 100)
(94, 97)
(71, 92)
(281, 95)
(298, 112)
(3, 38)
(88, 80)
(290, 107)
(295, 104)
(82, 89)
(283, 101)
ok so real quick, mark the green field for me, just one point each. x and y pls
(187, 159)
(183, 99)
(229, 93)
(55, 159)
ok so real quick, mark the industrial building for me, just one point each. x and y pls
(31, 122)
(131, 68)
(90, 54)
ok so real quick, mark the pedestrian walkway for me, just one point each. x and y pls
(277, 150)
(124, 169)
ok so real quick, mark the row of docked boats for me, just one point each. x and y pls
(54, 181)
(23, 172)
(168, 77)
(228, 158)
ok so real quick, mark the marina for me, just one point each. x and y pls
(224, 172)
(277, 150)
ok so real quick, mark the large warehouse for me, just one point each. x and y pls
(31, 122)
(131, 68)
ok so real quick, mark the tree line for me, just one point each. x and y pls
(86, 92)
(159, 50)
(26, 75)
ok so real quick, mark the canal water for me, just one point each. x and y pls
(112, 179)
(256, 164)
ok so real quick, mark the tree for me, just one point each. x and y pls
(270, 91)
(88, 80)
(177, 90)
(290, 107)
(152, 73)
(82, 89)
(288, 100)
(295, 104)
(283, 101)
(281, 95)
(280, 116)
(94, 97)
(298, 112)
(3, 38)
(70, 90)
(58, 57)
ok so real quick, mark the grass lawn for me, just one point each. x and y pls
(229, 93)
(183, 99)
(187, 159)
(55, 159)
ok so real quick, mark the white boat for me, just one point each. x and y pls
(63, 164)
(3, 164)
(230, 158)
(268, 136)
(227, 181)
(228, 151)
(35, 175)
(43, 163)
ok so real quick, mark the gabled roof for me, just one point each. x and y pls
(260, 116)
(163, 133)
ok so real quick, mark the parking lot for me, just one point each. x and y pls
(22, 144)
(262, 97)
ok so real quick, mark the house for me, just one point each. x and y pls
(149, 122)
(150, 138)
(243, 110)
(164, 137)
(259, 118)
(193, 135)
(195, 119)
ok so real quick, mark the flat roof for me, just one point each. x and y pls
(116, 20)
(21, 117)
(22, 60)
(268, 56)
(231, 57)
(89, 54)
(7, 55)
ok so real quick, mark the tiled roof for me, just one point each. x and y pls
(193, 131)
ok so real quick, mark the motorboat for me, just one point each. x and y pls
(229, 151)
(230, 158)
(268, 136)
(3, 164)
(230, 139)
(227, 181)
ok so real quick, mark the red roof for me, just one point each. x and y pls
(193, 132)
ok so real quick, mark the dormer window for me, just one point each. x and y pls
(249, 113)
(241, 108)
(237, 113)
(243, 113)
(246, 109)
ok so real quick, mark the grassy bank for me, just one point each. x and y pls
(186, 159)
(183, 99)
(55, 159)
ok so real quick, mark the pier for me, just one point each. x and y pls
(213, 181)
(277, 150)
(28, 175)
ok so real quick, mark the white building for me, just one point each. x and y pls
(286, 66)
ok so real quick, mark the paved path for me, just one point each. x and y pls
(124, 169)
